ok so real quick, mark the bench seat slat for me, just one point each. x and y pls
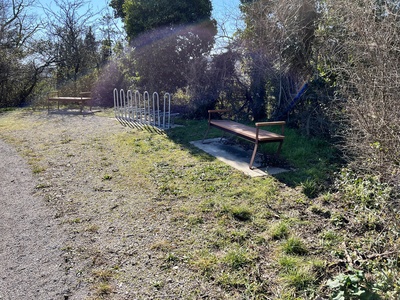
(69, 98)
(246, 131)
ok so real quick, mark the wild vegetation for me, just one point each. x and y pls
(327, 67)
(135, 201)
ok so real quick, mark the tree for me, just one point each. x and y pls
(167, 37)
(144, 16)
(20, 64)
(76, 48)
(278, 42)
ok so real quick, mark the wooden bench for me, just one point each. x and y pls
(83, 99)
(252, 134)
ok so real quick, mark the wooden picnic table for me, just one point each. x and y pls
(84, 98)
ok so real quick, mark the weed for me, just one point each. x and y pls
(279, 230)
(351, 286)
(330, 238)
(92, 228)
(318, 266)
(36, 169)
(239, 236)
(232, 280)
(338, 220)
(195, 220)
(207, 205)
(237, 258)
(241, 213)
(327, 197)
(103, 275)
(367, 190)
(75, 221)
(318, 210)
(310, 188)
(158, 284)
(300, 279)
(205, 262)
(104, 289)
(171, 257)
(295, 245)
(107, 177)
(42, 186)
(370, 221)
(295, 273)
(163, 245)
(289, 263)
(387, 280)
(66, 140)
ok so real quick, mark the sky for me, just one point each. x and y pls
(226, 12)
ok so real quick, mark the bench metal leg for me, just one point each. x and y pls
(253, 156)
(279, 147)
(223, 135)
(208, 129)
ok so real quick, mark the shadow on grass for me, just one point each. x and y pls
(308, 158)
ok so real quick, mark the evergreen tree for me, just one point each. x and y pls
(167, 37)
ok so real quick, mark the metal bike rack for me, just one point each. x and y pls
(141, 109)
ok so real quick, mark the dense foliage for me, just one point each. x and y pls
(144, 16)
(167, 38)
(19, 71)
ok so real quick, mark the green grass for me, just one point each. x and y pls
(315, 160)
(240, 234)
(279, 230)
(295, 246)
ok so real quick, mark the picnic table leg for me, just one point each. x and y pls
(254, 155)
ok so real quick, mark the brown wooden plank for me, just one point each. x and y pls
(246, 131)
(69, 99)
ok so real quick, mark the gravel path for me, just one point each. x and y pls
(31, 240)
(67, 233)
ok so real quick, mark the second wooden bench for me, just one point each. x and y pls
(84, 98)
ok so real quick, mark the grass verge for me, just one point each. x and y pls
(277, 237)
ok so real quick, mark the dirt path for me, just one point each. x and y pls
(78, 222)
(30, 241)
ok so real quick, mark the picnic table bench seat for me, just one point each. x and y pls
(255, 134)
